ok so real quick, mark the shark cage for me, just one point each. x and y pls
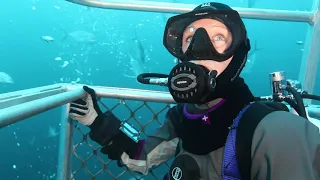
(19, 105)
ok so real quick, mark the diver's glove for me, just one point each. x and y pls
(85, 110)
(104, 126)
(106, 131)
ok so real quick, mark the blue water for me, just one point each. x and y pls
(29, 149)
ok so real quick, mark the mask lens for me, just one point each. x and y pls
(219, 36)
(179, 34)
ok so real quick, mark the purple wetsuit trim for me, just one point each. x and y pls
(141, 143)
(196, 116)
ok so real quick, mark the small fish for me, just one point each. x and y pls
(94, 29)
(80, 36)
(47, 39)
(5, 78)
(32, 140)
(142, 55)
(251, 3)
(141, 51)
(299, 42)
(252, 55)
(78, 72)
(76, 81)
(52, 132)
(58, 58)
(134, 67)
(166, 16)
(65, 63)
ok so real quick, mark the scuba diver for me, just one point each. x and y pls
(218, 130)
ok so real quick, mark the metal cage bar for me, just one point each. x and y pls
(65, 145)
(18, 97)
(21, 107)
(39, 103)
(17, 111)
(311, 55)
(166, 7)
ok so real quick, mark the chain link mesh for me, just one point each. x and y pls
(89, 163)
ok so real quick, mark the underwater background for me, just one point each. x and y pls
(44, 42)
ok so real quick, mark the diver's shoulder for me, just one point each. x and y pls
(283, 116)
(284, 120)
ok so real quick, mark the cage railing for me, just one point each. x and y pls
(19, 105)
(168, 7)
